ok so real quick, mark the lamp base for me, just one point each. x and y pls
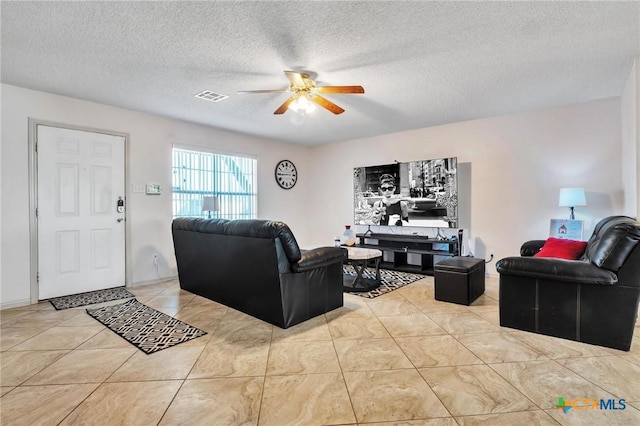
(572, 216)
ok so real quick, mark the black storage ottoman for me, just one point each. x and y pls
(459, 280)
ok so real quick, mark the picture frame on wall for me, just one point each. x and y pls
(566, 229)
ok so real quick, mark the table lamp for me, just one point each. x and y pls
(572, 197)
(210, 204)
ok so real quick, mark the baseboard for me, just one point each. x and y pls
(156, 281)
(16, 304)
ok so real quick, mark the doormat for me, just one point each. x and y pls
(390, 280)
(144, 327)
(90, 298)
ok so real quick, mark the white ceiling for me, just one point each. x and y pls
(421, 63)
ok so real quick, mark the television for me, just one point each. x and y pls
(417, 193)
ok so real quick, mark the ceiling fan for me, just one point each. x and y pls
(305, 93)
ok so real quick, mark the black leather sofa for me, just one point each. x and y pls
(592, 300)
(256, 266)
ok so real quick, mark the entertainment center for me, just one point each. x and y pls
(396, 249)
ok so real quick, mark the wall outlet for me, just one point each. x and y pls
(491, 252)
(155, 258)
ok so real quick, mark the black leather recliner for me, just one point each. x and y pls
(256, 266)
(592, 300)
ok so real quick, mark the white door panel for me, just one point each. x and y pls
(80, 241)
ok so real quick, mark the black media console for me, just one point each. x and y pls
(396, 249)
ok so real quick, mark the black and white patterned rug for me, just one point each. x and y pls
(90, 298)
(390, 280)
(144, 327)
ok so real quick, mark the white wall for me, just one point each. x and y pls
(518, 164)
(149, 160)
(630, 134)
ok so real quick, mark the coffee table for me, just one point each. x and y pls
(358, 258)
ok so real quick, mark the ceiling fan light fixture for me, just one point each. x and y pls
(302, 104)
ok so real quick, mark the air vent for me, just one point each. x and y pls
(208, 95)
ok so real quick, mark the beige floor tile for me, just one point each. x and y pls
(312, 399)
(624, 417)
(379, 396)
(557, 348)
(354, 306)
(442, 421)
(492, 316)
(106, 339)
(4, 390)
(7, 315)
(432, 306)
(312, 330)
(544, 381)
(356, 328)
(168, 364)
(302, 358)
(80, 320)
(528, 418)
(463, 323)
(42, 405)
(231, 360)
(243, 330)
(82, 366)
(611, 373)
(371, 354)
(392, 305)
(498, 347)
(10, 337)
(202, 317)
(436, 351)
(16, 367)
(236, 402)
(169, 301)
(474, 389)
(411, 325)
(484, 303)
(634, 359)
(125, 403)
(59, 338)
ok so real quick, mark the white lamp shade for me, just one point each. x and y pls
(572, 197)
(210, 204)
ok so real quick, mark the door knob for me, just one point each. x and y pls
(120, 219)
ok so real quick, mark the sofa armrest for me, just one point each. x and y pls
(531, 247)
(318, 258)
(573, 271)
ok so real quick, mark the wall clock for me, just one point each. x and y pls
(286, 174)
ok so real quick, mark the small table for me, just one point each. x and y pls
(358, 258)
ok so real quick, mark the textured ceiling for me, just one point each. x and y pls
(421, 63)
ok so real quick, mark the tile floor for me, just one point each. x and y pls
(402, 358)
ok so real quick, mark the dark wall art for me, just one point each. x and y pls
(417, 193)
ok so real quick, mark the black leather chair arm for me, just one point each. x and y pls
(573, 271)
(319, 257)
(531, 247)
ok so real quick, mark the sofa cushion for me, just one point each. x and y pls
(562, 249)
(613, 245)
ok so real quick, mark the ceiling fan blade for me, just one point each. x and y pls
(295, 78)
(285, 106)
(326, 103)
(340, 89)
(264, 91)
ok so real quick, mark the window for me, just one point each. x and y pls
(203, 174)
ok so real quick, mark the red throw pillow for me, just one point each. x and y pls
(562, 249)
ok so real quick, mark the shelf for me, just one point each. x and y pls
(398, 247)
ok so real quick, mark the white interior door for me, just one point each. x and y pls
(81, 233)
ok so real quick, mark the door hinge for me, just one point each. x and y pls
(38, 277)
(36, 146)
(36, 212)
